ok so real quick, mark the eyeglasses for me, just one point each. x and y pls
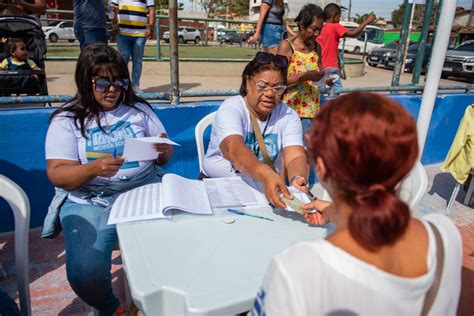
(102, 85)
(262, 87)
(265, 58)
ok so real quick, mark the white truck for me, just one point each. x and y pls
(356, 44)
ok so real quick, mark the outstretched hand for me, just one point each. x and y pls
(273, 184)
(322, 216)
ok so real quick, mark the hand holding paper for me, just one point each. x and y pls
(144, 148)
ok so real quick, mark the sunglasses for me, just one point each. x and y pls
(102, 85)
(266, 58)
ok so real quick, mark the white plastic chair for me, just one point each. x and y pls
(414, 187)
(469, 193)
(199, 134)
(20, 205)
(411, 189)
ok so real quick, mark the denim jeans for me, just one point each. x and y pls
(89, 242)
(337, 86)
(132, 46)
(87, 36)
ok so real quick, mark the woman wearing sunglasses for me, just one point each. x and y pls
(379, 260)
(258, 112)
(303, 69)
(84, 142)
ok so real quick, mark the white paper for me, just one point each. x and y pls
(297, 194)
(141, 149)
(156, 201)
(229, 192)
(138, 204)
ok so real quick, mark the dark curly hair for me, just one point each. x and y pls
(307, 14)
(83, 107)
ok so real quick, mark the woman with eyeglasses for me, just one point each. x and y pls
(379, 260)
(234, 148)
(303, 69)
(84, 143)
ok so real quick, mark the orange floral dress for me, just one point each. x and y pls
(303, 97)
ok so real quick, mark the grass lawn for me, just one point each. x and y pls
(185, 51)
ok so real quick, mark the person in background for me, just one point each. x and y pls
(234, 148)
(23, 8)
(89, 22)
(379, 260)
(17, 56)
(301, 94)
(329, 39)
(271, 25)
(134, 20)
(85, 139)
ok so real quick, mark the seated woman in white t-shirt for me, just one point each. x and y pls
(379, 260)
(234, 149)
(84, 144)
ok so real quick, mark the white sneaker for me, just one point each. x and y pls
(137, 90)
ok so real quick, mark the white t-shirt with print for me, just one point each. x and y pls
(64, 139)
(280, 130)
(318, 278)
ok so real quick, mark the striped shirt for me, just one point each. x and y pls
(132, 16)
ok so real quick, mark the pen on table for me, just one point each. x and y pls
(114, 153)
(237, 212)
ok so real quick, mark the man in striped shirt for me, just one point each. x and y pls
(134, 20)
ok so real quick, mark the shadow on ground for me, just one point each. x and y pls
(167, 87)
(443, 185)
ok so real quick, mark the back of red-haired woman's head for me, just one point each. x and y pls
(368, 143)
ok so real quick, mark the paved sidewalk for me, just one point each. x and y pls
(374, 77)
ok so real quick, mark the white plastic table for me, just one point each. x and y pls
(199, 265)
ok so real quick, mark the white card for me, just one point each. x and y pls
(141, 149)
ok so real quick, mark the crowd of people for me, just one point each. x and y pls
(361, 145)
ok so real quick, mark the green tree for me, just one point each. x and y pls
(241, 7)
(397, 15)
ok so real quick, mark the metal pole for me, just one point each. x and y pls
(405, 50)
(158, 42)
(438, 14)
(403, 39)
(349, 14)
(366, 37)
(174, 55)
(434, 71)
(420, 55)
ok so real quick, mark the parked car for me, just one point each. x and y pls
(185, 34)
(378, 55)
(459, 62)
(59, 30)
(410, 58)
(230, 37)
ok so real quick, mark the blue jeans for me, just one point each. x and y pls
(87, 36)
(132, 46)
(337, 86)
(89, 242)
(271, 35)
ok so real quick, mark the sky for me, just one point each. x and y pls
(383, 8)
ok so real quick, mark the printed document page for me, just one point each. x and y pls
(230, 192)
(137, 204)
(184, 194)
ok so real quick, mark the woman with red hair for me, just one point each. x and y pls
(378, 260)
